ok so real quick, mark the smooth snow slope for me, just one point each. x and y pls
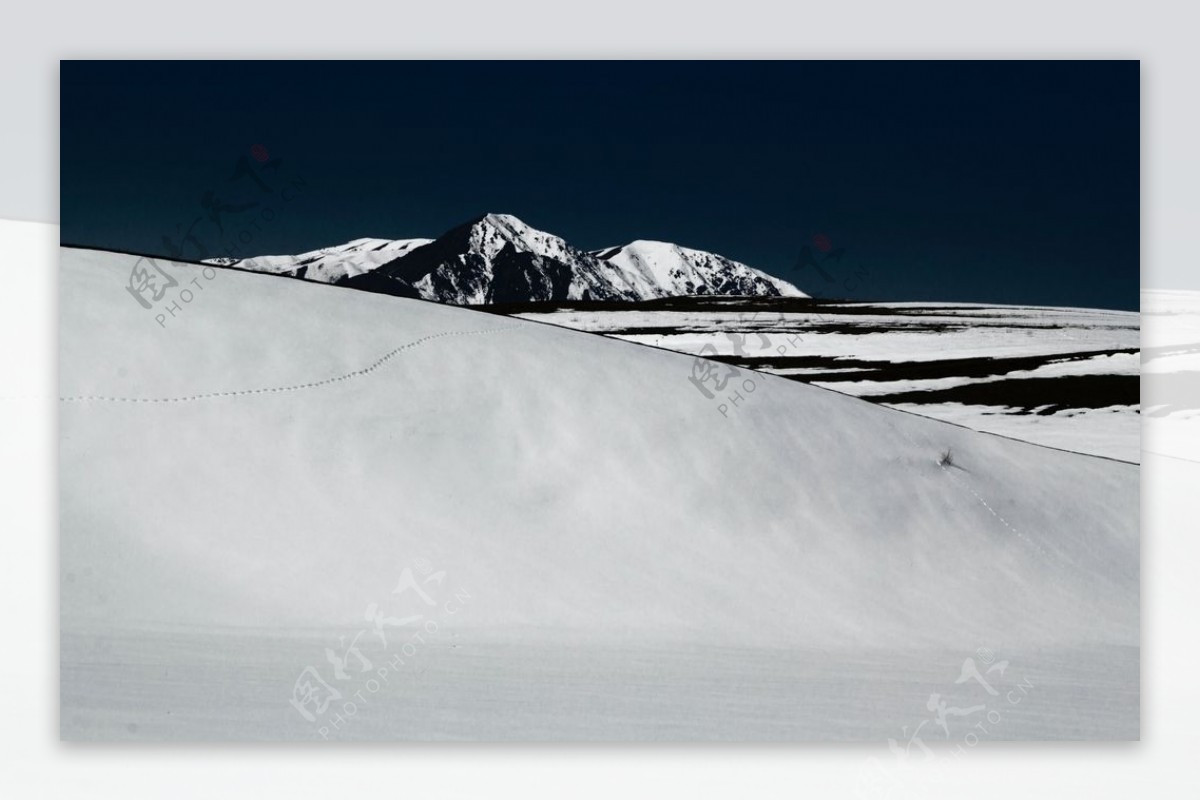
(271, 462)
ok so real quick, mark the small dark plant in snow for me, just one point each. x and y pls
(947, 459)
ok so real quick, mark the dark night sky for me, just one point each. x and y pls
(1012, 182)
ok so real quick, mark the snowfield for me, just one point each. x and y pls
(297, 499)
(1065, 378)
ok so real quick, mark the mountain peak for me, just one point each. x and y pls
(508, 226)
(502, 220)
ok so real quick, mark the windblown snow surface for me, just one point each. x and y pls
(308, 512)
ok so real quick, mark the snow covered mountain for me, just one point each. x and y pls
(663, 269)
(497, 258)
(330, 265)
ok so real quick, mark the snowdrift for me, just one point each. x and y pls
(272, 455)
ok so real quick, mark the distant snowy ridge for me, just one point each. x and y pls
(497, 258)
(652, 266)
(333, 264)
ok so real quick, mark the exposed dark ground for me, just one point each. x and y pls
(1023, 395)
